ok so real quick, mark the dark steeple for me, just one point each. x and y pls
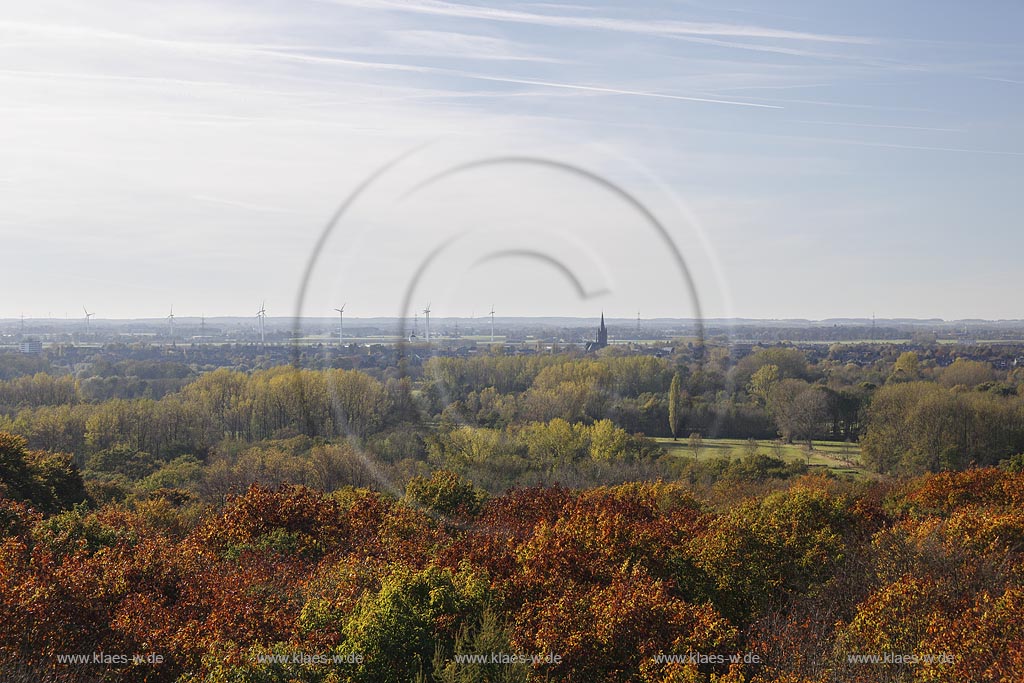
(602, 337)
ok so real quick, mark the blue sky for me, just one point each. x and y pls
(807, 159)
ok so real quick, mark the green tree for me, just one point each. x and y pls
(445, 493)
(399, 628)
(557, 442)
(675, 406)
(487, 638)
(762, 550)
(763, 381)
(607, 442)
(49, 482)
(907, 368)
(118, 459)
(968, 373)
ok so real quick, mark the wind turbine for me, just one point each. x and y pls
(341, 324)
(261, 316)
(88, 315)
(492, 323)
(426, 312)
(170, 321)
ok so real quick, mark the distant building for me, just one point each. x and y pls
(33, 346)
(602, 337)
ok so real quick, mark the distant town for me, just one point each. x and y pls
(263, 341)
(90, 330)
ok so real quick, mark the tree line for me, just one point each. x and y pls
(910, 413)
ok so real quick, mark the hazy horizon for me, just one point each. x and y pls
(188, 318)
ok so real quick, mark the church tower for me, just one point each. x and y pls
(602, 337)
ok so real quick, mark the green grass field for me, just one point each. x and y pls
(831, 454)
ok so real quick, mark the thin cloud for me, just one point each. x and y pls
(1001, 80)
(464, 45)
(295, 54)
(619, 91)
(849, 105)
(781, 86)
(666, 28)
(390, 66)
(878, 125)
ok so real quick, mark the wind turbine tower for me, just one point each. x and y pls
(341, 324)
(170, 321)
(426, 312)
(492, 323)
(261, 316)
(88, 316)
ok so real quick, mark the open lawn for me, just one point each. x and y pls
(831, 454)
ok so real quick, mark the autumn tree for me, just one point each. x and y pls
(763, 381)
(696, 444)
(967, 373)
(761, 551)
(907, 368)
(916, 427)
(798, 409)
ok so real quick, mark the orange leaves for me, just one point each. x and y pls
(942, 493)
(306, 516)
(613, 631)
(983, 635)
(986, 532)
(504, 524)
(896, 618)
(988, 639)
(595, 584)
(16, 519)
(607, 578)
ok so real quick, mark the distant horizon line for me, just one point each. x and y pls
(630, 319)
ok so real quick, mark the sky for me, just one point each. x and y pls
(673, 159)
